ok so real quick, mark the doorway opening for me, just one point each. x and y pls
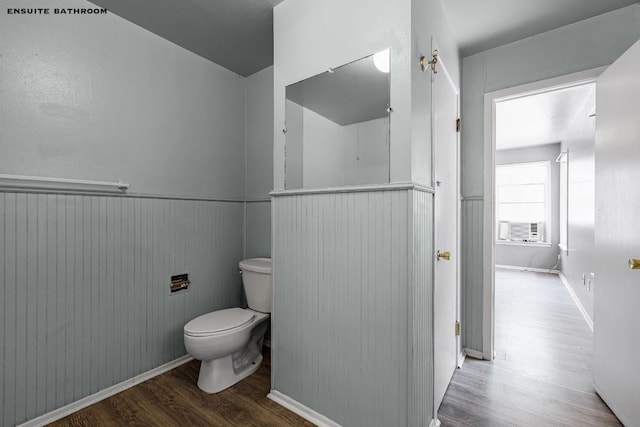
(541, 347)
(531, 132)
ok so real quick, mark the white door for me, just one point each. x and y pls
(445, 140)
(617, 237)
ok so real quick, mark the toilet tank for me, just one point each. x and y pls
(256, 279)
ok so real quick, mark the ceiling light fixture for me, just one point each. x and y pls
(381, 61)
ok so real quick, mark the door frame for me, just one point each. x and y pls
(488, 240)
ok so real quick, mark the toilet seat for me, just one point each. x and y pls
(218, 321)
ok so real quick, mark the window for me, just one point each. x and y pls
(522, 195)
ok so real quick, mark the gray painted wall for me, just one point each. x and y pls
(341, 257)
(337, 302)
(341, 260)
(304, 48)
(84, 290)
(430, 30)
(534, 256)
(406, 28)
(259, 163)
(340, 343)
(96, 97)
(472, 258)
(580, 258)
(577, 47)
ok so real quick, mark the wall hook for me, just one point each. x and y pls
(425, 63)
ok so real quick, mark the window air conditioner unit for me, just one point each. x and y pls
(525, 231)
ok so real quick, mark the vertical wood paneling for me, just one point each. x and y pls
(341, 304)
(3, 291)
(78, 299)
(85, 299)
(21, 297)
(10, 229)
(472, 273)
(420, 319)
(51, 285)
(42, 298)
(31, 313)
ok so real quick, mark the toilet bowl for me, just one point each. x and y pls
(229, 342)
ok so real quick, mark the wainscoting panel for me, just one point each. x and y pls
(340, 343)
(472, 273)
(420, 318)
(85, 301)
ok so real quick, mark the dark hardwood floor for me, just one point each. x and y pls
(173, 399)
(541, 375)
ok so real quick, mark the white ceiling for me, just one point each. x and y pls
(545, 118)
(485, 24)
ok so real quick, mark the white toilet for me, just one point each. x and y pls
(229, 341)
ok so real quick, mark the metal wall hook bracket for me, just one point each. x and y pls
(425, 63)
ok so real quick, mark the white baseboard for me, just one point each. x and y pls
(616, 411)
(586, 316)
(535, 270)
(103, 394)
(473, 353)
(298, 408)
(461, 357)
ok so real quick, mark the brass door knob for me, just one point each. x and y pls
(634, 264)
(444, 255)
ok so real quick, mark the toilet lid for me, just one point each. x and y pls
(258, 265)
(218, 321)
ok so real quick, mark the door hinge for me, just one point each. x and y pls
(458, 125)
(457, 328)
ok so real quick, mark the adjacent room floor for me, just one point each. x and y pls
(173, 399)
(542, 373)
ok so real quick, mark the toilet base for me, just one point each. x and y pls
(217, 375)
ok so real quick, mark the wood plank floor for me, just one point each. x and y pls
(173, 399)
(542, 374)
